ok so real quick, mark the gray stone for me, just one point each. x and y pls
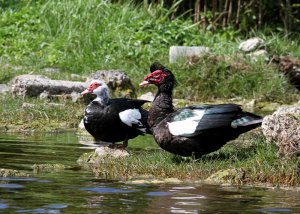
(4, 88)
(100, 154)
(250, 105)
(56, 167)
(259, 54)
(290, 67)
(34, 85)
(77, 77)
(75, 96)
(12, 173)
(106, 151)
(28, 106)
(51, 70)
(117, 81)
(44, 95)
(186, 52)
(148, 96)
(56, 105)
(283, 128)
(251, 44)
(228, 176)
(81, 125)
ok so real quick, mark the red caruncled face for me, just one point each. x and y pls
(91, 87)
(154, 78)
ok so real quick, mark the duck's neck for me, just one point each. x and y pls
(101, 100)
(161, 107)
(102, 97)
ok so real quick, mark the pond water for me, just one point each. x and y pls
(78, 191)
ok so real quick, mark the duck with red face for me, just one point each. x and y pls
(193, 130)
(114, 120)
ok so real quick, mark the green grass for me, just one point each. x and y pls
(81, 36)
(41, 117)
(254, 163)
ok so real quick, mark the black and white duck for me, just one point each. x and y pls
(114, 120)
(194, 130)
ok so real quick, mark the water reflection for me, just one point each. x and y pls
(77, 191)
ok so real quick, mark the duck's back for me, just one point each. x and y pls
(103, 122)
(200, 130)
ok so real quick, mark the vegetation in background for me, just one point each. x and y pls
(281, 15)
(82, 36)
(78, 36)
(35, 115)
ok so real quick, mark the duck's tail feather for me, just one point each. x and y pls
(247, 119)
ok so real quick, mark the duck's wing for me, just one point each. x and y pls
(130, 113)
(193, 120)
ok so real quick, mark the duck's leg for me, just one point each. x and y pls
(125, 142)
(119, 146)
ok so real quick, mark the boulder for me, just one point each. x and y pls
(290, 67)
(4, 88)
(186, 52)
(117, 80)
(52, 70)
(35, 85)
(227, 176)
(251, 44)
(116, 153)
(100, 154)
(12, 173)
(148, 96)
(56, 167)
(259, 55)
(283, 128)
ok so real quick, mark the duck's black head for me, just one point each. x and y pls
(160, 76)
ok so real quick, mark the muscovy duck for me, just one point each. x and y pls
(193, 130)
(114, 120)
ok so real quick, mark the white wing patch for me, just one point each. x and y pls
(130, 117)
(187, 125)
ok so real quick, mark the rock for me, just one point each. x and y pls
(4, 88)
(75, 96)
(12, 173)
(250, 105)
(106, 151)
(290, 67)
(268, 107)
(251, 44)
(155, 181)
(99, 155)
(81, 125)
(77, 77)
(35, 85)
(117, 81)
(186, 52)
(44, 95)
(28, 106)
(148, 96)
(85, 158)
(259, 54)
(228, 176)
(56, 105)
(51, 70)
(49, 167)
(283, 127)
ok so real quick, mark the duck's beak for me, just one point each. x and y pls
(144, 83)
(86, 91)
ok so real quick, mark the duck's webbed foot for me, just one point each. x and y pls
(118, 146)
